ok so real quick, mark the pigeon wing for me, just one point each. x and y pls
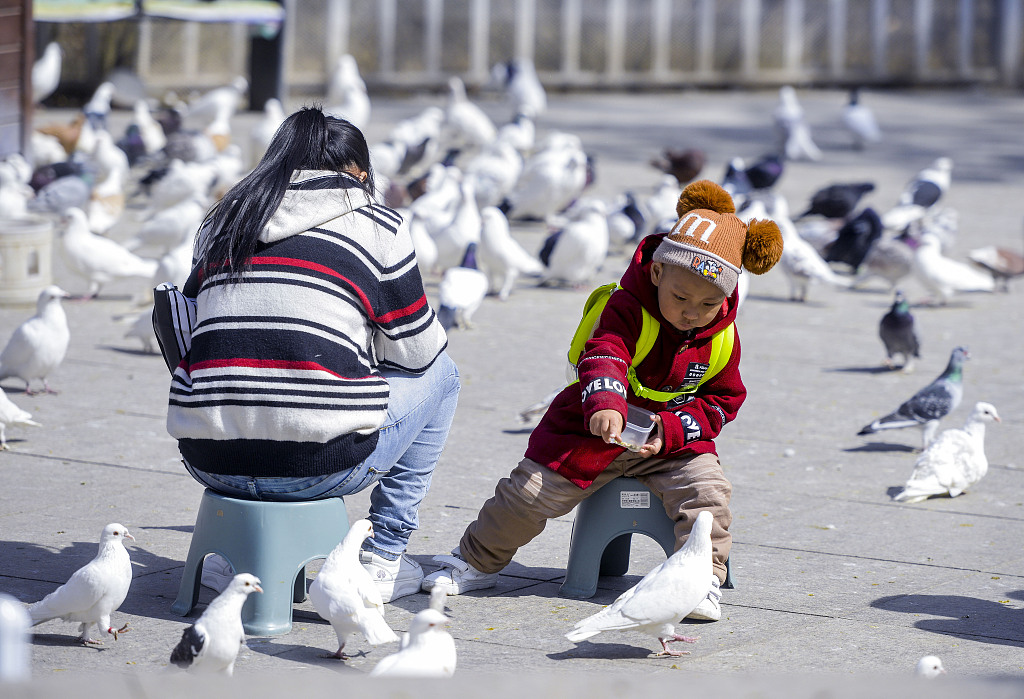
(190, 647)
(83, 589)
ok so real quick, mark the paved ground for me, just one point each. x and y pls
(839, 588)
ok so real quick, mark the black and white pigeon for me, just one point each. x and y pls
(37, 346)
(855, 239)
(346, 596)
(837, 200)
(211, 644)
(954, 461)
(929, 405)
(919, 195)
(427, 649)
(664, 596)
(94, 591)
(897, 332)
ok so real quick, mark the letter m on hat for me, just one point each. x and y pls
(692, 223)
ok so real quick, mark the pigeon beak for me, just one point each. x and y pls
(257, 588)
(129, 536)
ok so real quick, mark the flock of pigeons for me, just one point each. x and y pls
(459, 179)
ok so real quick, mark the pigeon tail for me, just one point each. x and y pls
(446, 316)
(919, 491)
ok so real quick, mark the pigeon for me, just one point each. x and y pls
(664, 596)
(346, 596)
(891, 258)
(944, 276)
(150, 131)
(791, 128)
(461, 291)
(837, 200)
(580, 247)
(464, 122)
(12, 416)
(860, 121)
(855, 238)
(14, 194)
(346, 93)
(1003, 264)
(38, 345)
(929, 667)
(626, 222)
(535, 410)
(211, 644)
(897, 332)
(919, 195)
(263, 131)
(216, 103)
(97, 108)
(765, 172)
(929, 405)
(493, 172)
(682, 163)
(523, 89)
(504, 259)
(463, 229)
(520, 133)
(426, 649)
(46, 72)
(552, 178)
(93, 591)
(954, 461)
(98, 259)
(423, 243)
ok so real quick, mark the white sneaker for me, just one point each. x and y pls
(217, 572)
(395, 579)
(710, 608)
(457, 576)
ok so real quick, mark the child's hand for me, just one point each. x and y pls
(607, 424)
(654, 442)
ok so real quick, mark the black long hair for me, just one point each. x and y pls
(306, 140)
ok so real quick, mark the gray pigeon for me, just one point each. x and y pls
(38, 345)
(897, 332)
(212, 643)
(929, 405)
(94, 590)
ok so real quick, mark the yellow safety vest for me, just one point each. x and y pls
(721, 346)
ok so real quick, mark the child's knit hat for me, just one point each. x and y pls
(713, 243)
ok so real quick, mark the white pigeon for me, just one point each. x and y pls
(800, 261)
(345, 595)
(860, 121)
(461, 291)
(94, 591)
(150, 130)
(552, 178)
(523, 89)
(107, 200)
(46, 149)
(664, 596)
(211, 644)
(14, 194)
(216, 103)
(427, 649)
(463, 230)
(346, 93)
(520, 133)
(919, 195)
(464, 122)
(175, 265)
(168, 228)
(263, 131)
(581, 245)
(441, 198)
(929, 667)
(411, 146)
(944, 276)
(98, 259)
(182, 181)
(97, 108)
(503, 258)
(493, 172)
(46, 72)
(954, 461)
(423, 243)
(792, 131)
(12, 416)
(38, 345)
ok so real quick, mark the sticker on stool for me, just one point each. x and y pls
(635, 500)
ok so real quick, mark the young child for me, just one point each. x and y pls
(686, 279)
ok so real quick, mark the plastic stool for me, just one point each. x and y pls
(272, 540)
(602, 530)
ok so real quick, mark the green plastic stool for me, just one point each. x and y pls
(272, 540)
(602, 531)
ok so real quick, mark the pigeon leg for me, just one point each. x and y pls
(337, 655)
(114, 632)
(666, 651)
(3, 439)
(83, 630)
(47, 389)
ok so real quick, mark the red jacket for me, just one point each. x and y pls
(562, 440)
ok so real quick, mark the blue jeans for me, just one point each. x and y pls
(420, 412)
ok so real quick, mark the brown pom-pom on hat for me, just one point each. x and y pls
(713, 243)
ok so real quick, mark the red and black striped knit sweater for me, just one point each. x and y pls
(283, 375)
(562, 440)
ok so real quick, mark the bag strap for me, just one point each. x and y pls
(721, 350)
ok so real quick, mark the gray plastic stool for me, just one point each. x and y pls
(272, 540)
(601, 533)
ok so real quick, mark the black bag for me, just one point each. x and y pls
(174, 317)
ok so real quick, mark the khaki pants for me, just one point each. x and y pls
(532, 494)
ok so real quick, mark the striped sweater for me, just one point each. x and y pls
(283, 376)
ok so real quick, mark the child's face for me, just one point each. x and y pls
(685, 300)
